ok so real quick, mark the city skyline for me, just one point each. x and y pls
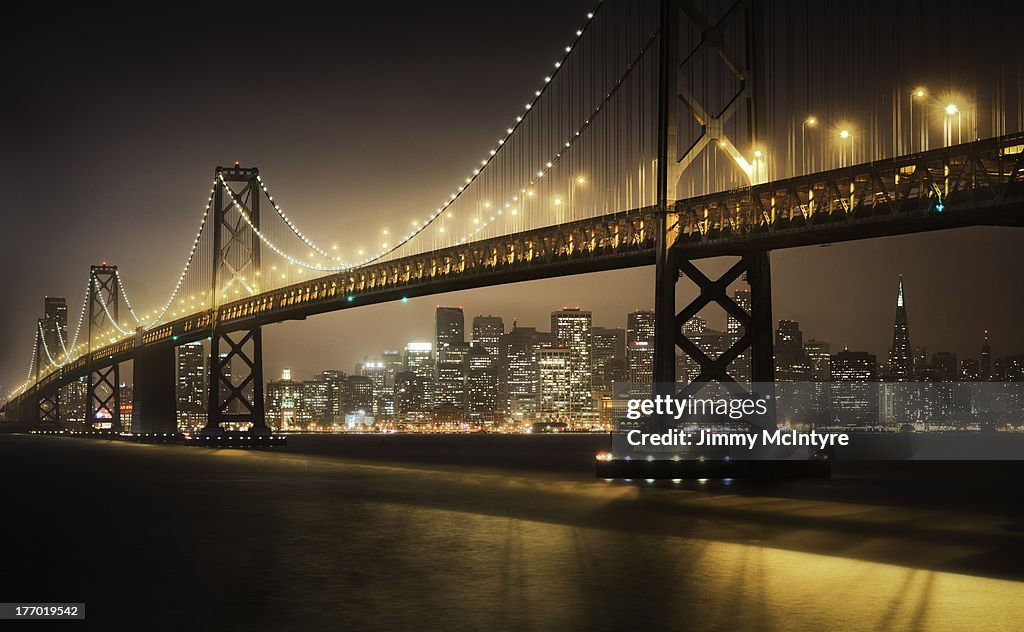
(921, 304)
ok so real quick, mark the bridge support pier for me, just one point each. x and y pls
(155, 402)
(49, 407)
(235, 381)
(103, 397)
(757, 323)
(28, 412)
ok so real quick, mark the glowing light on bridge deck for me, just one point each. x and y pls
(581, 180)
(558, 201)
(811, 121)
(918, 92)
(844, 134)
(951, 109)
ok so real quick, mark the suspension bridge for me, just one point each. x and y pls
(644, 144)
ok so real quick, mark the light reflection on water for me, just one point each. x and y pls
(277, 540)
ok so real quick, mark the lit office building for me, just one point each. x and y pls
(640, 347)
(791, 361)
(609, 352)
(393, 364)
(740, 367)
(555, 388)
(855, 390)
(450, 345)
(316, 401)
(487, 333)
(450, 382)
(376, 370)
(360, 395)
(284, 406)
(820, 361)
(571, 327)
(191, 386)
(337, 395)
(481, 383)
(519, 355)
(419, 360)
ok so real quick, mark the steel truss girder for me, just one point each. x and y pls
(225, 391)
(946, 185)
(598, 242)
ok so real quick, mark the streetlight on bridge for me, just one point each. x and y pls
(845, 135)
(947, 128)
(810, 121)
(918, 93)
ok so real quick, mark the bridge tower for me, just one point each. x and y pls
(738, 140)
(235, 376)
(103, 388)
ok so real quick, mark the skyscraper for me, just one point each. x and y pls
(519, 355)
(571, 327)
(821, 362)
(609, 352)
(191, 386)
(640, 347)
(449, 327)
(487, 333)
(985, 366)
(555, 392)
(740, 367)
(450, 345)
(791, 362)
(419, 360)
(481, 383)
(284, 406)
(854, 387)
(392, 366)
(450, 383)
(901, 366)
(377, 372)
(337, 395)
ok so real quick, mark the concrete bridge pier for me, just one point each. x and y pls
(154, 407)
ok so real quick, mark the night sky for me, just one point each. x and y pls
(114, 121)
